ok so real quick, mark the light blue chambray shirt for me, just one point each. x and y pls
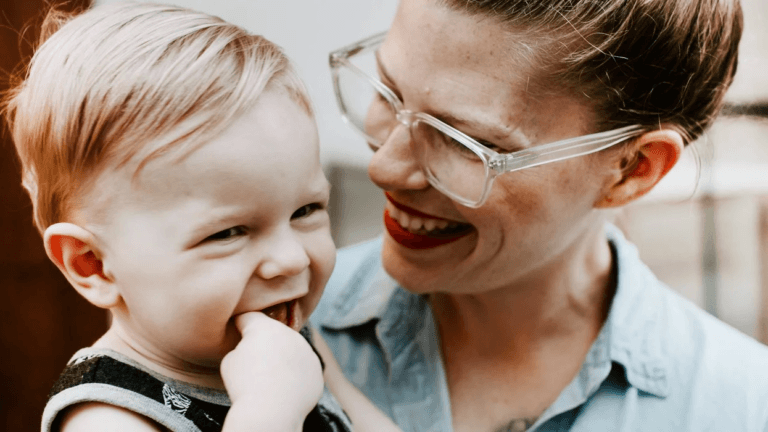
(658, 364)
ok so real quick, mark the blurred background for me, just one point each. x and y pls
(703, 230)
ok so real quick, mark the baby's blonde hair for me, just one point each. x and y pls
(127, 83)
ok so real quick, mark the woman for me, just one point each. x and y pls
(498, 298)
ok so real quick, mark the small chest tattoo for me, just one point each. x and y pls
(517, 425)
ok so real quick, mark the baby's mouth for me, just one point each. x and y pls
(284, 312)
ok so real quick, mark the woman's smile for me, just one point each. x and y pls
(414, 229)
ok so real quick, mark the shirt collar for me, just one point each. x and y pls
(632, 336)
(635, 328)
(365, 296)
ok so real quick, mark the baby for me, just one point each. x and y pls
(172, 161)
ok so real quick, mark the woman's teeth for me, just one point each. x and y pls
(417, 224)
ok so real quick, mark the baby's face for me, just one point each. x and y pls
(238, 225)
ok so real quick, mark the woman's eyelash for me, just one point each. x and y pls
(307, 210)
(227, 234)
(493, 146)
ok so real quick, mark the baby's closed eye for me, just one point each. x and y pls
(227, 234)
(307, 210)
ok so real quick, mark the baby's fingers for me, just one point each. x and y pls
(250, 320)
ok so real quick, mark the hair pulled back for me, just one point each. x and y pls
(636, 61)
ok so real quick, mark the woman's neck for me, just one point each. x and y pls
(565, 300)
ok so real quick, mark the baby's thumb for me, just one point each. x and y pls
(247, 321)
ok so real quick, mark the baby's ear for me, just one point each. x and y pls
(73, 250)
(652, 155)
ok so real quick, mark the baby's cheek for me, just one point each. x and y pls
(211, 332)
(323, 259)
(208, 309)
(217, 289)
(328, 253)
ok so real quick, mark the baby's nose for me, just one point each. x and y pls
(286, 257)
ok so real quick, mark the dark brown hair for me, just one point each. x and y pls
(635, 61)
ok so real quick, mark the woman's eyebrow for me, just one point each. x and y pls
(512, 141)
(383, 70)
(445, 117)
(460, 123)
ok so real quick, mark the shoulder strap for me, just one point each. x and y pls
(104, 370)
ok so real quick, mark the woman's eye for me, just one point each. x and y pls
(458, 145)
(454, 145)
(227, 234)
(306, 210)
(492, 146)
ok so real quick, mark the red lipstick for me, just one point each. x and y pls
(420, 241)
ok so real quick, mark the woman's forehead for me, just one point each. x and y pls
(440, 32)
(457, 66)
(437, 46)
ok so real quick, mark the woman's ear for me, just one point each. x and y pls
(73, 250)
(654, 154)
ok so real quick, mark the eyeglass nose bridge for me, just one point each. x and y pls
(405, 117)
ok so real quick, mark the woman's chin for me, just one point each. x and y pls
(423, 271)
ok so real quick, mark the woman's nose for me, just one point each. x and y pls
(286, 256)
(393, 166)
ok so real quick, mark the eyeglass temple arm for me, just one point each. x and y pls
(566, 149)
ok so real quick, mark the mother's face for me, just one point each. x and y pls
(478, 76)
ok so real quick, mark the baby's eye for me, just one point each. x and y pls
(307, 210)
(227, 234)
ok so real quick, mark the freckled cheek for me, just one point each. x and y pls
(526, 215)
(521, 199)
(547, 192)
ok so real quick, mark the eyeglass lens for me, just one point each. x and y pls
(366, 108)
(451, 166)
(457, 169)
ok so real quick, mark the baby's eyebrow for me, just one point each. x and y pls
(319, 190)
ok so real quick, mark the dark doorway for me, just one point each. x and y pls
(44, 321)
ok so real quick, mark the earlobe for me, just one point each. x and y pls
(74, 251)
(656, 153)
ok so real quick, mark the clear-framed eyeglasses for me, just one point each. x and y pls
(454, 163)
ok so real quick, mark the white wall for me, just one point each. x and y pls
(751, 82)
(308, 30)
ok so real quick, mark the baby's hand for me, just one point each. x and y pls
(272, 371)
